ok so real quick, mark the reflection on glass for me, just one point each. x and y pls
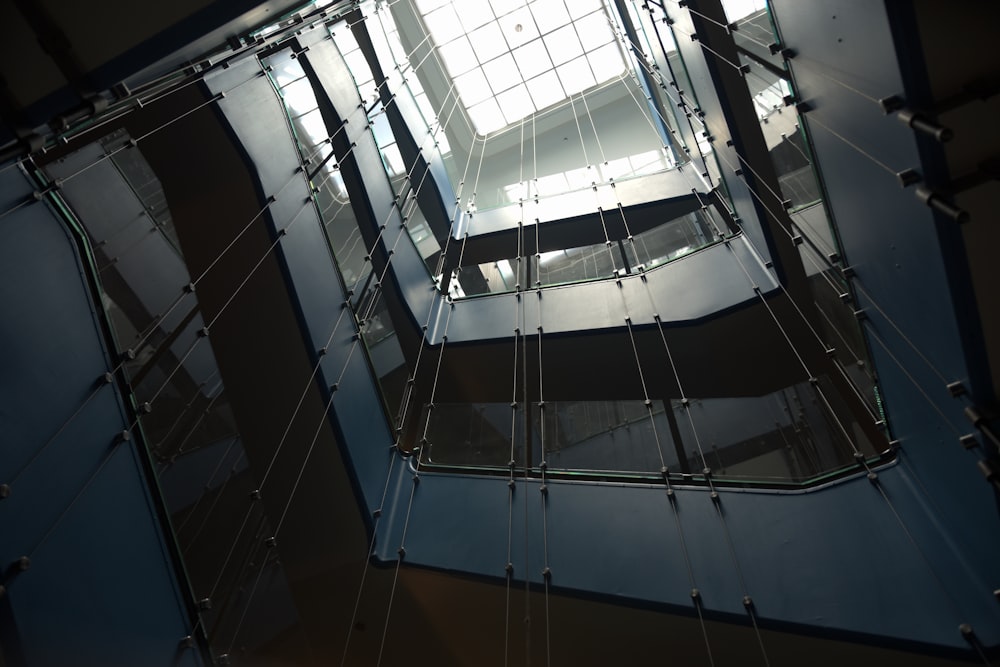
(644, 251)
(789, 436)
(839, 327)
(621, 436)
(783, 135)
(189, 430)
(786, 140)
(487, 278)
(576, 264)
(143, 181)
(670, 241)
(477, 435)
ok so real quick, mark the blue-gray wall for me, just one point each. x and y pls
(102, 587)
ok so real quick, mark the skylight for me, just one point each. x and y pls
(512, 58)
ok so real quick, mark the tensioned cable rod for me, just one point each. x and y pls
(208, 482)
(201, 417)
(543, 437)
(714, 494)
(855, 284)
(204, 332)
(861, 459)
(416, 480)
(691, 117)
(214, 98)
(799, 60)
(406, 399)
(272, 541)
(215, 501)
(628, 321)
(357, 338)
(353, 347)
(892, 172)
(371, 550)
(821, 124)
(671, 497)
(213, 392)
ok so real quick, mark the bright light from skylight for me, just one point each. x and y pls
(738, 9)
(512, 58)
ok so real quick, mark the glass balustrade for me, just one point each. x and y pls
(792, 436)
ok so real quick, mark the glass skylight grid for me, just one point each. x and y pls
(512, 58)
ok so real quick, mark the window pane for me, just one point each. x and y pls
(502, 73)
(344, 39)
(546, 90)
(314, 126)
(475, 14)
(532, 59)
(487, 116)
(472, 87)
(594, 30)
(549, 14)
(443, 24)
(299, 96)
(429, 5)
(578, 8)
(563, 45)
(606, 62)
(553, 184)
(579, 178)
(501, 7)
(518, 27)
(458, 56)
(381, 130)
(359, 67)
(576, 76)
(426, 110)
(286, 70)
(738, 9)
(393, 160)
(515, 104)
(488, 42)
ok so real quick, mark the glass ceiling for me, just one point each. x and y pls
(511, 58)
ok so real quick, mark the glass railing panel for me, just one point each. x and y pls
(650, 44)
(497, 277)
(378, 334)
(183, 412)
(599, 436)
(417, 227)
(473, 435)
(791, 435)
(143, 181)
(752, 29)
(771, 90)
(839, 327)
(329, 191)
(592, 262)
(645, 250)
(783, 134)
(675, 89)
(667, 242)
(578, 179)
